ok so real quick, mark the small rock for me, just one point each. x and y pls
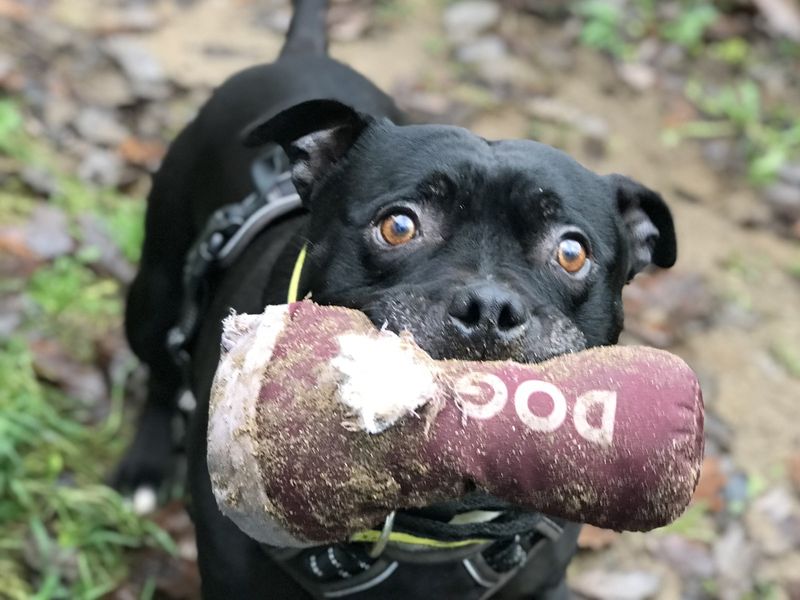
(736, 490)
(734, 556)
(466, 20)
(348, 25)
(104, 87)
(639, 77)
(54, 364)
(133, 18)
(100, 126)
(11, 311)
(687, 557)
(59, 112)
(144, 71)
(671, 57)
(274, 18)
(549, 10)
(616, 585)
(719, 435)
(10, 77)
(484, 49)
(427, 105)
(46, 234)
(722, 155)
(784, 199)
(101, 167)
(39, 179)
(782, 16)
(110, 257)
(594, 129)
(790, 173)
(774, 522)
(661, 308)
(514, 77)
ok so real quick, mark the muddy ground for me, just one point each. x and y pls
(729, 307)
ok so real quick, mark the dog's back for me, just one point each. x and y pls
(207, 167)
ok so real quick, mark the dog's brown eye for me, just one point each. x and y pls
(571, 255)
(398, 229)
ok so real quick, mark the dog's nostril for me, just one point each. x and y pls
(467, 310)
(510, 317)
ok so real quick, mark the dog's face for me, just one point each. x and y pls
(482, 250)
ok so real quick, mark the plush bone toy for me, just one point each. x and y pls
(321, 425)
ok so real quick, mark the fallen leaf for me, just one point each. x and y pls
(793, 465)
(14, 11)
(173, 577)
(595, 538)
(142, 153)
(711, 484)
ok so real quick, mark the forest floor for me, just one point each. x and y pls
(698, 100)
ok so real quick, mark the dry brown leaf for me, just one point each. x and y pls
(14, 11)
(595, 538)
(143, 153)
(712, 481)
(793, 466)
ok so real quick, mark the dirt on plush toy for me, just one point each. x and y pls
(321, 425)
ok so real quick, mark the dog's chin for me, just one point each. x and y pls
(490, 351)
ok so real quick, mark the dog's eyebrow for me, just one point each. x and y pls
(437, 185)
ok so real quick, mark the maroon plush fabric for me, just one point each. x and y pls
(610, 436)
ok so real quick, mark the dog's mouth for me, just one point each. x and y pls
(442, 341)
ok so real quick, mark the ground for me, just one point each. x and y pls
(696, 99)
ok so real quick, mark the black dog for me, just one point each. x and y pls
(481, 249)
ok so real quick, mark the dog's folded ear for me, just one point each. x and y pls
(314, 134)
(648, 223)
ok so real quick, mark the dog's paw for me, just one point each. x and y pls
(148, 464)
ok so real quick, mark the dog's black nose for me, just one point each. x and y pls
(488, 308)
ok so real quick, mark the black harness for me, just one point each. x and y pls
(464, 549)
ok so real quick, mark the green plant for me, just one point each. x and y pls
(67, 289)
(602, 27)
(616, 27)
(693, 524)
(14, 139)
(689, 28)
(68, 531)
(74, 304)
(770, 138)
(788, 356)
(126, 226)
(733, 51)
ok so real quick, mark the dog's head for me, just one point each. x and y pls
(482, 250)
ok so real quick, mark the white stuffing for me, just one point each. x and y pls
(383, 379)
